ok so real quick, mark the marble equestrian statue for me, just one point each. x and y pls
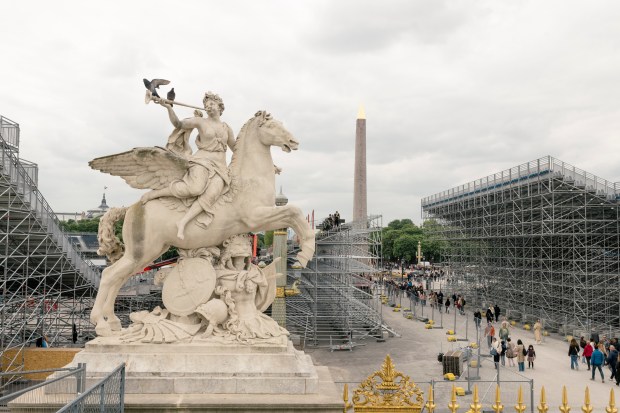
(151, 227)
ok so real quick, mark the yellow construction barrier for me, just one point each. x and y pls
(460, 391)
(428, 326)
(473, 345)
(513, 323)
(449, 376)
(451, 338)
(396, 310)
(431, 322)
(409, 316)
(527, 327)
(450, 332)
(473, 363)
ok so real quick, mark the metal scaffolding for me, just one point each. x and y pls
(46, 286)
(540, 239)
(337, 297)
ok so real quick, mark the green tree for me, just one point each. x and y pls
(406, 246)
(268, 239)
(83, 225)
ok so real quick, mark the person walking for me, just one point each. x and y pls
(503, 333)
(510, 352)
(612, 361)
(596, 361)
(489, 333)
(587, 352)
(489, 314)
(538, 331)
(583, 343)
(573, 353)
(502, 354)
(477, 319)
(521, 353)
(531, 356)
(495, 351)
(447, 305)
(496, 312)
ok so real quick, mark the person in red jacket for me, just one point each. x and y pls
(587, 352)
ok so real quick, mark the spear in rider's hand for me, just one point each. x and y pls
(149, 97)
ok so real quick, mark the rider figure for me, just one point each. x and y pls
(207, 177)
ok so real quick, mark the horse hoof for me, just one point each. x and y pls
(302, 260)
(103, 329)
(115, 324)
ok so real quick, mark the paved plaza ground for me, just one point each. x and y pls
(415, 354)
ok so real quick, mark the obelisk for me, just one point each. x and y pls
(359, 177)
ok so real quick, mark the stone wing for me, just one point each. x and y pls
(143, 168)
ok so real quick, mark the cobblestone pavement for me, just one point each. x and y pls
(415, 354)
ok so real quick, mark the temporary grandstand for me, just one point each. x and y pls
(46, 285)
(337, 300)
(540, 239)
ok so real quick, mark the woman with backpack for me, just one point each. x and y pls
(510, 352)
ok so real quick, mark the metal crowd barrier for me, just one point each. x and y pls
(107, 396)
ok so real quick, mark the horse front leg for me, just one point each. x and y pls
(270, 218)
(114, 323)
(116, 274)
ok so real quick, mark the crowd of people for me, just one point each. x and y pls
(331, 222)
(595, 354)
(592, 354)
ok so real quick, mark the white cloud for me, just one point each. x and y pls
(452, 92)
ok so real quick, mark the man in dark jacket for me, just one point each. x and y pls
(477, 318)
(496, 308)
(612, 361)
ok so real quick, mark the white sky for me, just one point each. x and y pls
(453, 90)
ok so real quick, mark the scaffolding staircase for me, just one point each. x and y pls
(337, 302)
(46, 286)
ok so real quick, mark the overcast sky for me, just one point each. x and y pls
(453, 90)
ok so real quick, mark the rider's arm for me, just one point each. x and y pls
(231, 138)
(189, 123)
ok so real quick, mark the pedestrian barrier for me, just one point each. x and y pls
(107, 396)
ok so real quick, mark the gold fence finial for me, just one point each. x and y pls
(542, 406)
(430, 405)
(564, 407)
(520, 407)
(612, 403)
(453, 405)
(498, 406)
(388, 389)
(345, 398)
(587, 407)
(475, 406)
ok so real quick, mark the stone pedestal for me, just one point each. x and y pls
(206, 376)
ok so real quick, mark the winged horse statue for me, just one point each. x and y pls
(150, 228)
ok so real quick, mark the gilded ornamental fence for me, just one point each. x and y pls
(388, 390)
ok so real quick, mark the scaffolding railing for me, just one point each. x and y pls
(527, 171)
(546, 246)
(46, 287)
(27, 189)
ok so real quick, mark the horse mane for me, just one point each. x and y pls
(263, 116)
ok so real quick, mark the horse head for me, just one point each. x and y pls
(271, 132)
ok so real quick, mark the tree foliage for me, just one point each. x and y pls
(401, 237)
(268, 239)
(83, 225)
